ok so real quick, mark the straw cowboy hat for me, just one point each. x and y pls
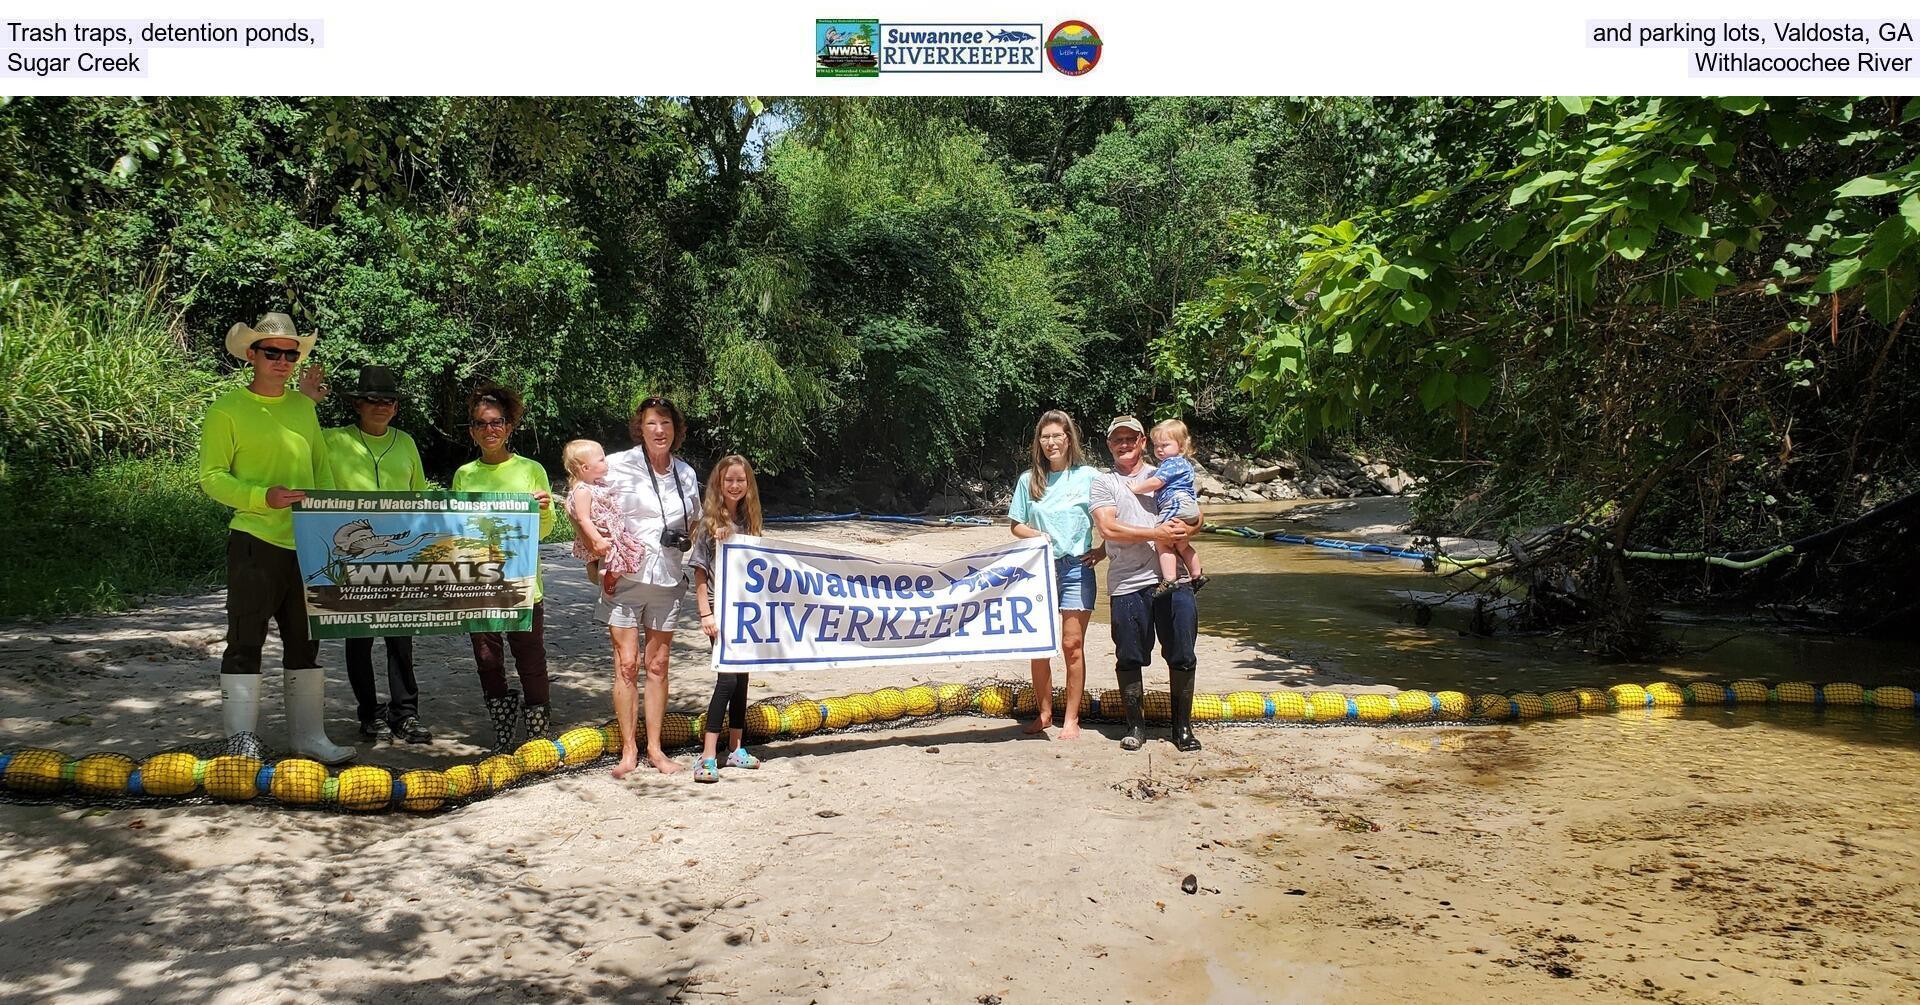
(241, 337)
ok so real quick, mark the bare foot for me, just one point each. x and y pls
(1038, 725)
(629, 760)
(663, 764)
(1070, 729)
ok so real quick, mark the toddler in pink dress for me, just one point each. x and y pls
(603, 540)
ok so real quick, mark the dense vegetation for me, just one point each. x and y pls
(1679, 319)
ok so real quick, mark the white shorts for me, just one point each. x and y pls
(636, 604)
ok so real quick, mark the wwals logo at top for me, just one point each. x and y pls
(846, 48)
(1073, 47)
(960, 48)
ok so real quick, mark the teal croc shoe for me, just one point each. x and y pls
(741, 759)
(708, 770)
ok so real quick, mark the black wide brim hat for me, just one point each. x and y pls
(377, 383)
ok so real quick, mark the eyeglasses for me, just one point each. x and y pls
(276, 354)
(488, 424)
(1053, 437)
(1123, 439)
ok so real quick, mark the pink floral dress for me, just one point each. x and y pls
(605, 514)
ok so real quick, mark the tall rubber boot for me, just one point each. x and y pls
(240, 709)
(503, 713)
(538, 720)
(1132, 694)
(307, 716)
(1181, 684)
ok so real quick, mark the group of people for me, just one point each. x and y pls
(648, 537)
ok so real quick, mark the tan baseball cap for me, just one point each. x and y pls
(1126, 422)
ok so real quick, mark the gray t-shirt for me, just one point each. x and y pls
(1130, 567)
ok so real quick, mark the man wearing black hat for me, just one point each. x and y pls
(373, 456)
(1130, 529)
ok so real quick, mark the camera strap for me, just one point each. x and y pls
(686, 525)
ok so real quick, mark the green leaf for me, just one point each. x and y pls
(1510, 231)
(1698, 282)
(1437, 390)
(1629, 242)
(1911, 111)
(1576, 105)
(1688, 224)
(1466, 234)
(1885, 300)
(1411, 308)
(1741, 106)
(1889, 240)
(1838, 276)
(1910, 208)
(1538, 182)
(1867, 186)
(1473, 388)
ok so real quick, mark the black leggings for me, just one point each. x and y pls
(729, 700)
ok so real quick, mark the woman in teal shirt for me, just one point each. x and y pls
(1052, 500)
(372, 456)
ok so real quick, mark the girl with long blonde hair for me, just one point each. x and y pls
(732, 507)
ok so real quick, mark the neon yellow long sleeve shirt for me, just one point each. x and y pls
(515, 474)
(362, 463)
(250, 443)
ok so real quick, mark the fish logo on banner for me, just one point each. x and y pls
(802, 607)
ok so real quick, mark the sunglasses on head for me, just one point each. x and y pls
(277, 354)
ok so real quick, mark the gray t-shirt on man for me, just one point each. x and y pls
(1130, 567)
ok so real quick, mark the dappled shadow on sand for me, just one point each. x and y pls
(101, 906)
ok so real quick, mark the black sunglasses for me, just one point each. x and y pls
(488, 424)
(272, 353)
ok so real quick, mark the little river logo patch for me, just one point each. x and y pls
(1073, 47)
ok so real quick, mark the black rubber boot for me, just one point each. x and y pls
(1132, 691)
(537, 721)
(504, 713)
(1181, 684)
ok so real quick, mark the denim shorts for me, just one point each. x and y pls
(1077, 586)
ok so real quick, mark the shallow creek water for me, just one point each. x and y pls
(1350, 618)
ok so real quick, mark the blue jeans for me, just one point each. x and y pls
(1139, 616)
(1077, 587)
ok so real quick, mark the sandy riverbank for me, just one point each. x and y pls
(955, 861)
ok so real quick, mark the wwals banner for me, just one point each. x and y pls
(417, 563)
(794, 608)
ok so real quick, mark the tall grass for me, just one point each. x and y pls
(103, 537)
(81, 381)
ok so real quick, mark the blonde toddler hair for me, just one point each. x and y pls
(573, 455)
(1175, 430)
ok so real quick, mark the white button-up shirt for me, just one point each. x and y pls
(677, 505)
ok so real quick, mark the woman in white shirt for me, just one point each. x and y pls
(660, 497)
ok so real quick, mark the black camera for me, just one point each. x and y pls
(675, 539)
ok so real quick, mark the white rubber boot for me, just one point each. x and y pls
(307, 717)
(240, 709)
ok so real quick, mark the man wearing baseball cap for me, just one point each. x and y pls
(260, 448)
(1127, 523)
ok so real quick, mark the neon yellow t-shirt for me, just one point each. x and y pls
(515, 474)
(250, 443)
(387, 463)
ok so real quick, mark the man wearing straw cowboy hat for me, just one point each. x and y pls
(260, 447)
